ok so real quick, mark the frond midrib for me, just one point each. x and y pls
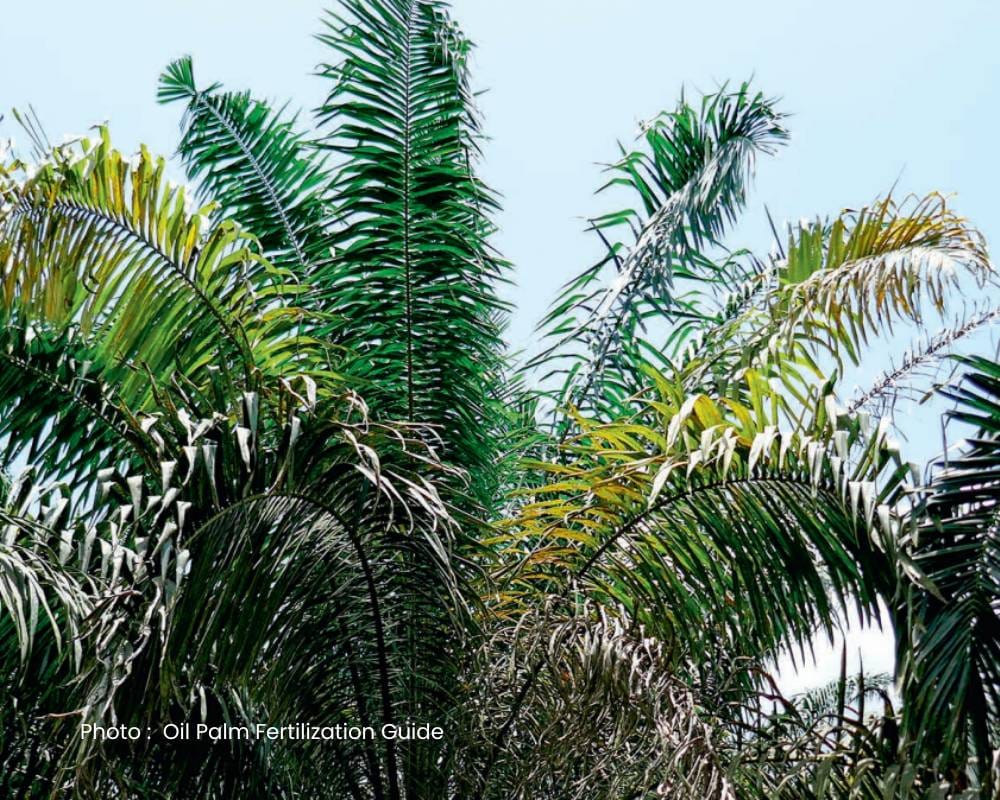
(81, 210)
(204, 101)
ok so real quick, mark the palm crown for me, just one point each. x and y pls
(282, 468)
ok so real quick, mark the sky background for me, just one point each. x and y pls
(883, 92)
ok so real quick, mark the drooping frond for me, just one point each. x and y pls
(883, 261)
(116, 301)
(306, 606)
(676, 521)
(56, 416)
(330, 530)
(839, 285)
(104, 249)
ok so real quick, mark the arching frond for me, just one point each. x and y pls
(714, 528)
(327, 543)
(841, 284)
(94, 246)
(676, 522)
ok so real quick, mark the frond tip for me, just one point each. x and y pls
(250, 160)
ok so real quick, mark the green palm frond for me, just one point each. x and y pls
(359, 542)
(293, 591)
(57, 417)
(114, 297)
(952, 666)
(48, 598)
(413, 282)
(675, 522)
(250, 161)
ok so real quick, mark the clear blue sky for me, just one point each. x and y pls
(880, 90)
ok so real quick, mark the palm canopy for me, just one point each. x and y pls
(282, 468)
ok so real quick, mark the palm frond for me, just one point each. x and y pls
(952, 666)
(677, 521)
(413, 283)
(57, 417)
(692, 180)
(842, 283)
(251, 162)
(97, 247)
(48, 597)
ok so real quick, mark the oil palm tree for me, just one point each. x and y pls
(275, 465)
